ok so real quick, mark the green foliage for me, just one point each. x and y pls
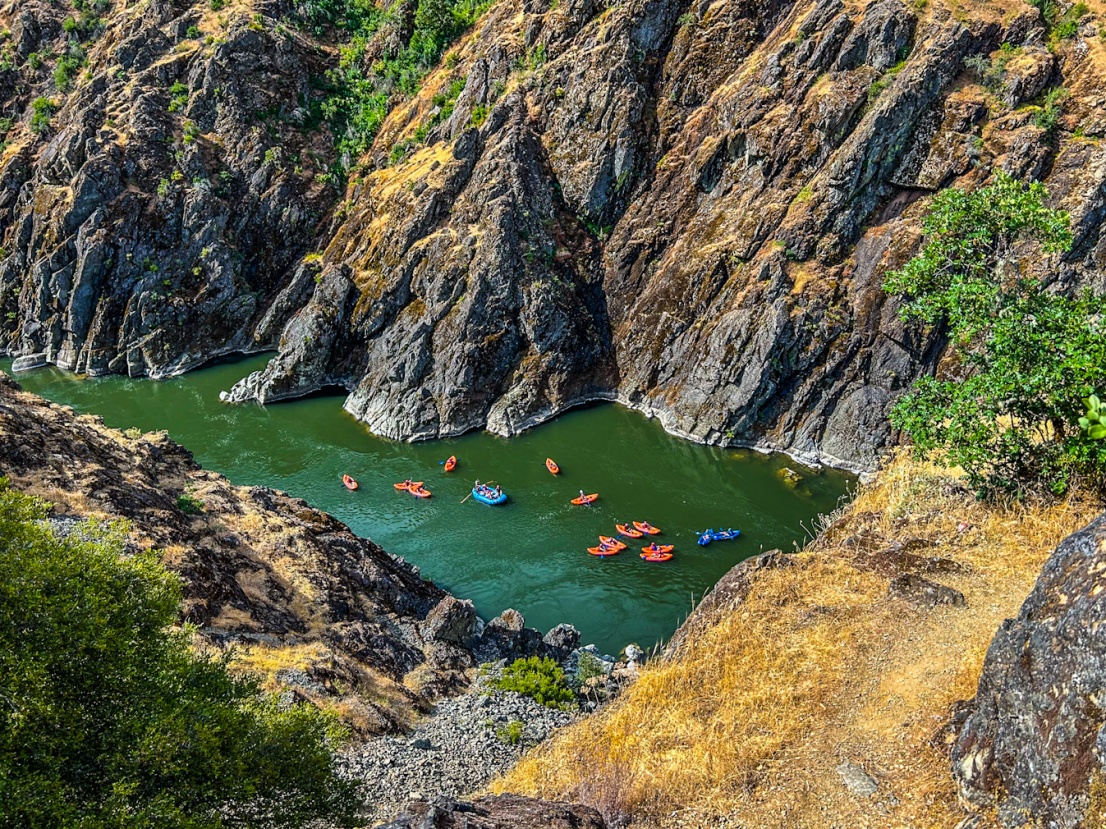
(218, 5)
(588, 667)
(67, 67)
(1027, 357)
(42, 110)
(511, 733)
(193, 33)
(108, 718)
(178, 96)
(186, 502)
(358, 96)
(1093, 422)
(1052, 106)
(479, 115)
(541, 679)
(884, 81)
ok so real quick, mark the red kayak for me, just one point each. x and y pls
(407, 486)
(614, 543)
(451, 464)
(646, 527)
(349, 483)
(551, 466)
(419, 492)
(657, 549)
(587, 499)
(629, 532)
(656, 556)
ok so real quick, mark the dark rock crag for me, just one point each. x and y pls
(506, 811)
(344, 621)
(689, 209)
(1034, 743)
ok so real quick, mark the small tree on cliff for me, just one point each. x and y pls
(1027, 357)
(107, 719)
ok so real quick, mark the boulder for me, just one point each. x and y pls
(1033, 747)
(452, 620)
(506, 811)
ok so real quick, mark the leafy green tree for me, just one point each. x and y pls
(1027, 356)
(108, 719)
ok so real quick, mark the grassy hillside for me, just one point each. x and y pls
(747, 723)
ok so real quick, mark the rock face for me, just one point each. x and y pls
(343, 621)
(1034, 743)
(496, 812)
(689, 208)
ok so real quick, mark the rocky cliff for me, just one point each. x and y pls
(302, 600)
(686, 206)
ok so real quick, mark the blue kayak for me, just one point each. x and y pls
(707, 536)
(488, 496)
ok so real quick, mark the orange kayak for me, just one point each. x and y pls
(607, 541)
(451, 464)
(604, 551)
(349, 483)
(551, 466)
(646, 527)
(656, 556)
(656, 549)
(413, 485)
(629, 532)
(587, 499)
(419, 492)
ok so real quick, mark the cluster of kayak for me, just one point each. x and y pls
(612, 546)
(608, 546)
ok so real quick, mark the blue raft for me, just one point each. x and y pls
(707, 536)
(488, 496)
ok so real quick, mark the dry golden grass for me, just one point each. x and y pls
(815, 667)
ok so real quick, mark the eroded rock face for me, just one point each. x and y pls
(1034, 744)
(688, 208)
(506, 811)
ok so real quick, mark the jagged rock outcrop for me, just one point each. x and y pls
(335, 617)
(496, 812)
(686, 207)
(1034, 744)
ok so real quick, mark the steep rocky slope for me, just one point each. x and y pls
(301, 599)
(687, 206)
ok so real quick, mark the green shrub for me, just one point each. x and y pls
(588, 667)
(1028, 357)
(42, 110)
(479, 114)
(218, 5)
(34, 61)
(541, 679)
(511, 733)
(109, 718)
(1052, 106)
(188, 503)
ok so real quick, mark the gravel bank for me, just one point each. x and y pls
(456, 750)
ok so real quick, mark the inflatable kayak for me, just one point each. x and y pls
(607, 541)
(657, 549)
(405, 486)
(419, 492)
(451, 464)
(604, 551)
(656, 556)
(707, 536)
(629, 532)
(349, 483)
(488, 496)
(551, 466)
(646, 527)
(587, 499)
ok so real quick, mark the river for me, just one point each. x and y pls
(529, 554)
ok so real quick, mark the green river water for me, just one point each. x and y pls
(529, 554)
